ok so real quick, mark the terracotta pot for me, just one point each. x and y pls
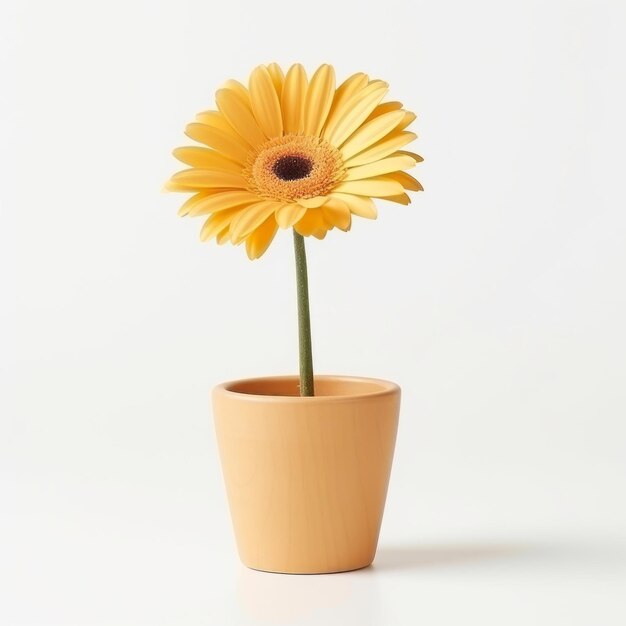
(306, 477)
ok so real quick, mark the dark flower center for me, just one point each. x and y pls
(292, 167)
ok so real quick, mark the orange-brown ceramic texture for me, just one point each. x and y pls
(306, 477)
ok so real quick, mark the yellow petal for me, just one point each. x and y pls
(223, 236)
(289, 214)
(378, 187)
(258, 241)
(312, 203)
(407, 181)
(216, 223)
(265, 102)
(403, 198)
(357, 109)
(239, 89)
(384, 107)
(337, 213)
(320, 233)
(417, 157)
(208, 178)
(311, 222)
(294, 98)
(384, 166)
(278, 78)
(344, 92)
(196, 156)
(222, 201)
(191, 202)
(179, 187)
(386, 146)
(408, 119)
(319, 98)
(221, 141)
(370, 133)
(215, 119)
(359, 205)
(239, 116)
(251, 218)
(349, 87)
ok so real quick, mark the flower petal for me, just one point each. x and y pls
(377, 187)
(251, 218)
(223, 236)
(203, 178)
(278, 78)
(312, 203)
(239, 89)
(337, 213)
(319, 98)
(409, 118)
(215, 119)
(359, 205)
(384, 166)
(221, 201)
(358, 107)
(239, 116)
(258, 242)
(407, 181)
(196, 156)
(294, 98)
(179, 187)
(289, 214)
(219, 140)
(311, 222)
(384, 107)
(265, 102)
(403, 198)
(344, 93)
(191, 202)
(216, 223)
(417, 157)
(382, 148)
(370, 133)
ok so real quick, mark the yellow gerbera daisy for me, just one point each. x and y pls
(288, 151)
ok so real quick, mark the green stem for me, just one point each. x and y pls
(304, 318)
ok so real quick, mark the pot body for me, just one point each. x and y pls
(306, 477)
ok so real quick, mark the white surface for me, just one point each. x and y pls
(496, 300)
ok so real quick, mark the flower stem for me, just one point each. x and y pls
(304, 318)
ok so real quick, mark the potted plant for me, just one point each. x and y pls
(306, 459)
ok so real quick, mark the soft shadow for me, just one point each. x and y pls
(331, 599)
(426, 556)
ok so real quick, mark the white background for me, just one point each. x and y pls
(496, 300)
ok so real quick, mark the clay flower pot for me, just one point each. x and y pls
(306, 477)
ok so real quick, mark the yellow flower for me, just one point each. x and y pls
(288, 151)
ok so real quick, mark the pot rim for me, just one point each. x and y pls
(387, 387)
